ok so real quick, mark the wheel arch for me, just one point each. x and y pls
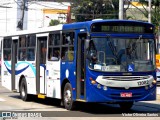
(63, 85)
(20, 80)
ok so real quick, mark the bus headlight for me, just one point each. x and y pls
(92, 80)
(154, 81)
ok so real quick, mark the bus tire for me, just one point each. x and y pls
(23, 90)
(125, 106)
(68, 97)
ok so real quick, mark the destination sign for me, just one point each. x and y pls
(125, 27)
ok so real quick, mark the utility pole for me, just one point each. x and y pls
(21, 13)
(121, 9)
(149, 11)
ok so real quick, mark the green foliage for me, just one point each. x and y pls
(155, 11)
(54, 22)
(92, 9)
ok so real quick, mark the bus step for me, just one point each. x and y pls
(80, 100)
(14, 90)
(42, 96)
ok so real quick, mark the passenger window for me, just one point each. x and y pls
(54, 54)
(31, 43)
(30, 54)
(22, 41)
(7, 55)
(54, 39)
(22, 48)
(7, 49)
(54, 47)
(68, 38)
(67, 53)
(22, 54)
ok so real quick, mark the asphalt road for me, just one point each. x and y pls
(11, 102)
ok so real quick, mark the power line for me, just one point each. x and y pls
(46, 5)
(4, 6)
(29, 4)
(17, 3)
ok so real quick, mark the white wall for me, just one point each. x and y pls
(36, 17)
(8, 16)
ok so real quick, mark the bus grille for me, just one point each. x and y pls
(125, 78)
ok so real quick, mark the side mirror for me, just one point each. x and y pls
(87, 41)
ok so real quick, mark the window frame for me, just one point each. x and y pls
(9, 48)
(26, 47)
(54, 46)
(68, 45)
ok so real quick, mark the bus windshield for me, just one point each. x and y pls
(121, 54)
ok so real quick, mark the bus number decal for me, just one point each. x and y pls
(140, 83)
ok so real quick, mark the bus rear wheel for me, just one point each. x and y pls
(67, 97)
(23, 90)
(125, 106)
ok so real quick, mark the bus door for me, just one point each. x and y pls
(81, 94)
(13, 63)
(53, 66)
(41, 63)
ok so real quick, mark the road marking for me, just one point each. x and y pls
(1, 100)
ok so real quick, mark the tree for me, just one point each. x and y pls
(155, 11)
(54, 22)
(92, 9)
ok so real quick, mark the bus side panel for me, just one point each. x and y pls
(42, 77)
(26, 69)
(53, 79)
(68, 71)
(6, 74)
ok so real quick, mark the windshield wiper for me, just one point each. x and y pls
(110, 44)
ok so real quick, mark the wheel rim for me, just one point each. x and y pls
(23, 91)
(67, 97)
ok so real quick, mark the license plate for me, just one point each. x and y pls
(126, 94)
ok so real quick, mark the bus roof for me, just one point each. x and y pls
(86, 24)
(33, 31)
(71, 26)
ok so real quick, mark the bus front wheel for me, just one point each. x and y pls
(67, 97)
(125, 106)
(23, 90)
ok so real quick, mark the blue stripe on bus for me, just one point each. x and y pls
(17, 71)
(8, 66)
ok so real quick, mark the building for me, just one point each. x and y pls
(36, 14)
(134, 11)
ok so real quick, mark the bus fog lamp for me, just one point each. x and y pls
(99, 86)
(92, 80)
(154, 81)
(104, 87)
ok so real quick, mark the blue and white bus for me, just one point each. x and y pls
(94, 61)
